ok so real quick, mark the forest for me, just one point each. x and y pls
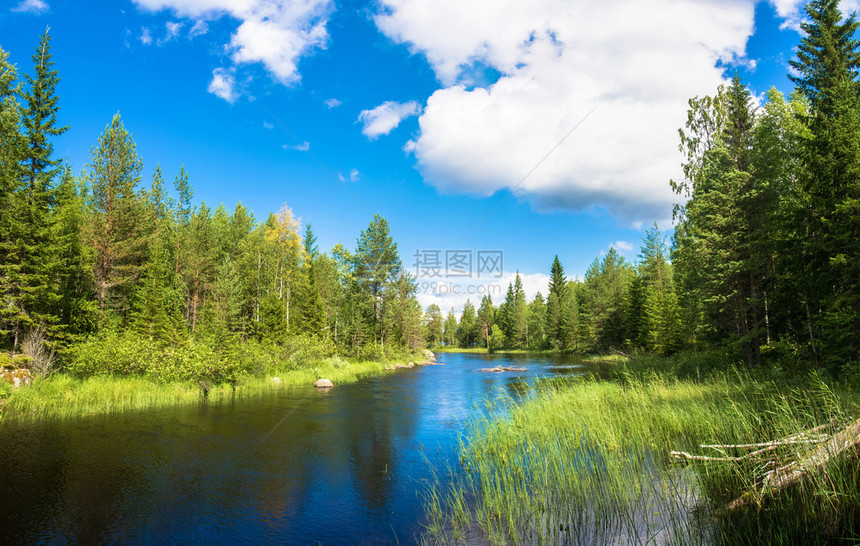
(762, 261)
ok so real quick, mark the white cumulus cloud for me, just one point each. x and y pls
(275, 33)
(385, 117)
(636, 62)
(332, 103)
(223, 85)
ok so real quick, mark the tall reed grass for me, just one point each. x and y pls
(587, 462)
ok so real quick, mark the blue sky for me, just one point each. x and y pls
(535, 128)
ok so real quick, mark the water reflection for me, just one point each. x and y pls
(295, 466)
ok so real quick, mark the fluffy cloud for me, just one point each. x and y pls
(172, 29)
(276, 33)
(792, 10)
(622, 246)
(332, 103)
(625, 65)
(385, 117)
(145, 36)
(223, 85)
(31, 6)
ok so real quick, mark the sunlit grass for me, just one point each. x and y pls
(64, 396)
(587, 462)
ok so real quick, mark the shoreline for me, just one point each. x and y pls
(62, 396)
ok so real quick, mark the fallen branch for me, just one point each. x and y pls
(502, 369)
(785, 475)
(791, 473)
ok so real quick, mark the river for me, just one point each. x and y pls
(295, 466)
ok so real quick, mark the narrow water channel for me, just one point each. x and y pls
(296, 467)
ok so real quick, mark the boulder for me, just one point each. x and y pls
(410, 365)
(399, 366)
(276, 380)
(428, 355)
(15, 376)
(323, 384)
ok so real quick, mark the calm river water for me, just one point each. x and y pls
(297, 466)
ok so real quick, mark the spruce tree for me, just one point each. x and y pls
(555, 303)
(311, 308)
(828, 60)
(14, 315)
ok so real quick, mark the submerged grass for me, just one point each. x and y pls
(587, 462)
(64, 395)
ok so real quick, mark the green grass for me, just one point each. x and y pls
(476, 350)
(587, 461)
(64, 396)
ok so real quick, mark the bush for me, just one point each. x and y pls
(302, 351)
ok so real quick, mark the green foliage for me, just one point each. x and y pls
(467, 331)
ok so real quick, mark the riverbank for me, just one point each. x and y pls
(64, 395)
(588, 461)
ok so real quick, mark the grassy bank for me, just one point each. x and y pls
(123, 372)
(587, 462)
(475, 350)
(63, 395)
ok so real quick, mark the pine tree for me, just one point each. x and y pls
(406, 313)
(536, 319)
(486, 319)
(467, 332)
(113, 175)
(434, 331)
(504, 316)
(377, 263)
(449, 328)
